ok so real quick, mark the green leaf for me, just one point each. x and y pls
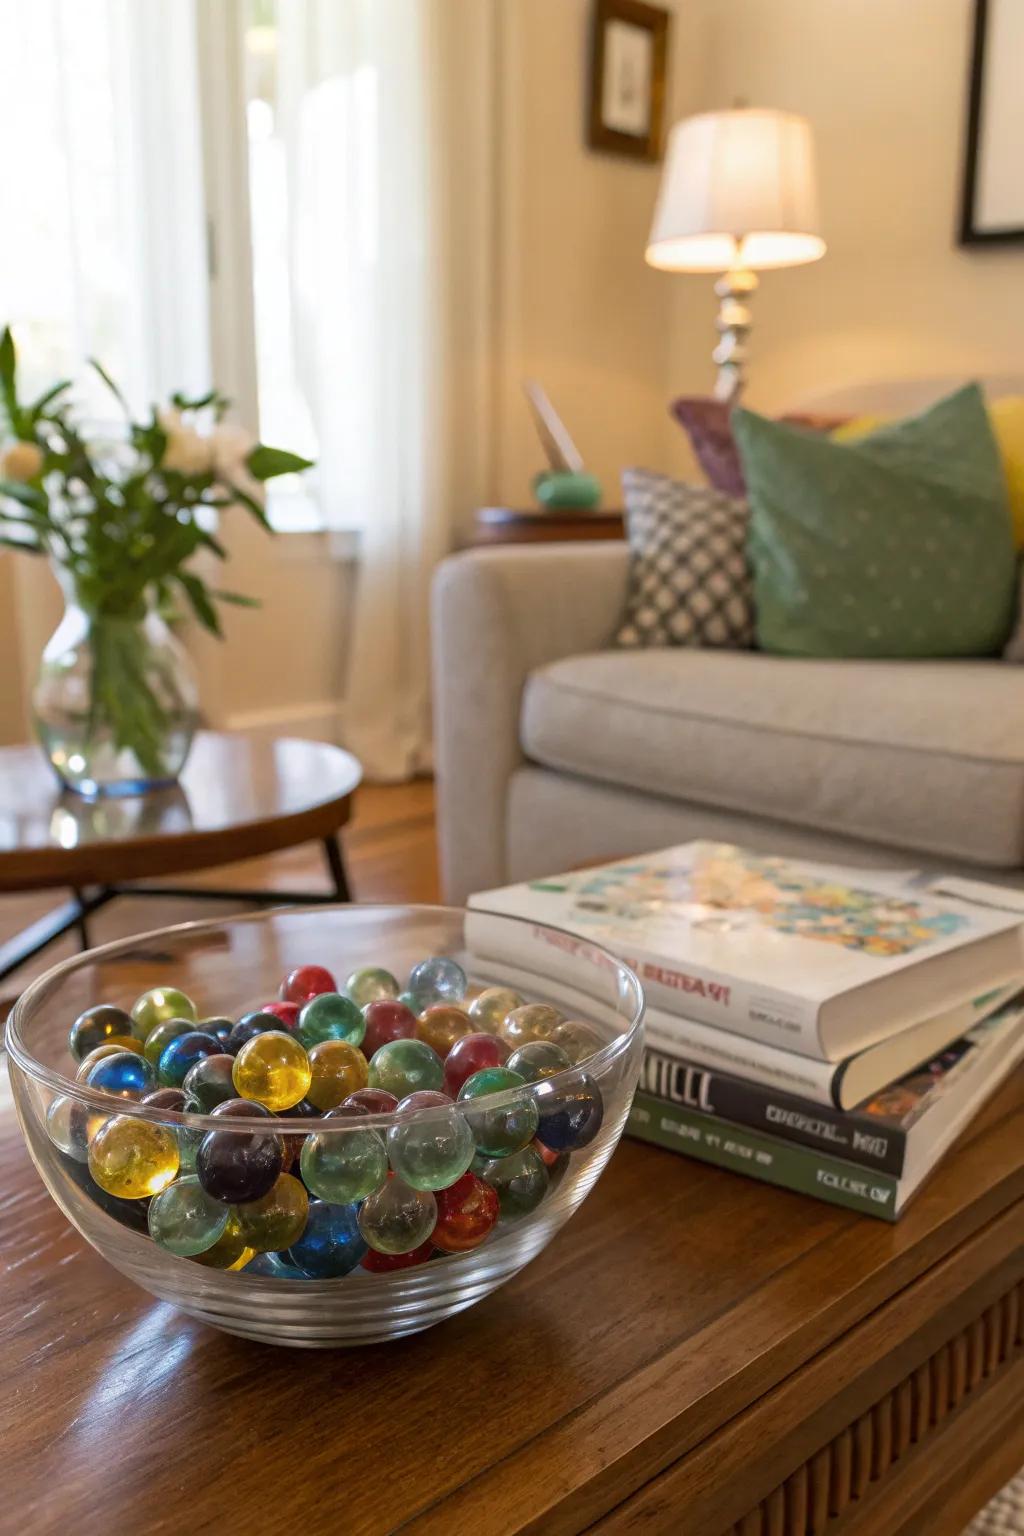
(264, 463)
(195, 591)
(210, 542)
(38, 406)
(251, 505)
(8, 360)
(239, 599)
(94, 362)
(26, 546)
(27, 495)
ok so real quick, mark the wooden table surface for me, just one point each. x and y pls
(239, 796)
(690, 1344)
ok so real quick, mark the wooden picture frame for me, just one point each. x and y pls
(992, 202)
(628, 68)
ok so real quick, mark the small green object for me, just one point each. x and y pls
(161, 1036)
(431, 1150)
(535, 1060)
(157, 1005)
(369, 984)
(208, 1082)
(406, 1066)
(342, 1168)
(577, 493)
(185, 1220)
(329, 1016)
(520, 1181)
(505, 1129)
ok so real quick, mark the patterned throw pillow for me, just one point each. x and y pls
(689, 579)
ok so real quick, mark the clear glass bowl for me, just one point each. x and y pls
(231, 967)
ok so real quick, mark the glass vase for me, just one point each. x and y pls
(115, 705)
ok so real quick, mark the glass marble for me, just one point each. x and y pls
(182, 1053)
(293, 1144)
(337, 1069)
(343, 1167)
(556, 1163)
(208, 1082)
(132, 1158)
(307, 981)
(472, 1054)
(499, 1131)
(94, 1026)
(185, 1220)
(157, 1005)
(218, 1026)
(273, 1069)
(386, 1019)
(161, 1035)
(70, 1126)
(239, 1166)
(385, 1263)
(466, 1213)
(403, 1066)
(275, 1221)
(423, 1098)
(330, 1017)
(250, 1025)
(538, 1059)
(165, 1098)
(578, 1040)
(374, 1100)
(129, 1213)
(520, 1182)
(288, 1013)
(369, 984)
(331, 1243)
(112, 1047)
(490, 1007)
(124, 1073)
(397, 1218)
(534, 1021)
(229, 1252)
(438, 980)
(430, 1150)
(440, 1025)
(274, 1266)
(570, 1115)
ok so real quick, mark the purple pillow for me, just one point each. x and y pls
(707, 423)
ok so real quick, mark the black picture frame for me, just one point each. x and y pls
(970, 233)
(649, 146)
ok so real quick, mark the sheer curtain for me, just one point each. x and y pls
(380, 178)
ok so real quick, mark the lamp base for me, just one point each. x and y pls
(734, 289)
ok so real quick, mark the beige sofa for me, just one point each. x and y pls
(553, 749)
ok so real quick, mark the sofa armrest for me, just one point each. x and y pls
(498, 614)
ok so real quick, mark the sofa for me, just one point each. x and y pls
(554, 750)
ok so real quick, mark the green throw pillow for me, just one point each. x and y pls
(897, 544)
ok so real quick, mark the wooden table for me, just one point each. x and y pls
(239, 797)
(539, 525)
(694, 1355)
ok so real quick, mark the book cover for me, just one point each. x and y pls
(877, 1133)
(818, 960)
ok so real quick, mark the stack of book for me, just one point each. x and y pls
(829, 1030)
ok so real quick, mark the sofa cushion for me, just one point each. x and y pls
(925, 755)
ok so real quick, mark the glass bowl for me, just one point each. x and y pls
(229, 968)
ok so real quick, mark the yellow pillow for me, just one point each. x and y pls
(1007, 418)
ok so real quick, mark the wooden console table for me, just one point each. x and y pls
(695, 1355)
(538, 525)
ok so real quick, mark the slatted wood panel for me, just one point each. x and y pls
(816, 1499)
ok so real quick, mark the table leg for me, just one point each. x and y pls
(53, 926)
(336, 865)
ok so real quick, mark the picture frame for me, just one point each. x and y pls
(992, 201)
(628, 69)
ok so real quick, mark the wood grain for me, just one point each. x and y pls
(692, 1342)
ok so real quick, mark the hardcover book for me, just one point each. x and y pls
(819, 960)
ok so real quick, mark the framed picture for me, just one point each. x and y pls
(628, 64)
(993, 193)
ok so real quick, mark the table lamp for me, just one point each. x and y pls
(737, 196)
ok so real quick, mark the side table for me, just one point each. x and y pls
(537, 525)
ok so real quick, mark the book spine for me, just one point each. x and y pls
(768, 1016)
(718, 1050)
(742, 1150)
(677, 1081)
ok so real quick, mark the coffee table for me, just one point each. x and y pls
(239, 797)
(695, 1354)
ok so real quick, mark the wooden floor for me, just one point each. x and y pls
(389, 847)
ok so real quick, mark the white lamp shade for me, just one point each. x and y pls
(738, 188)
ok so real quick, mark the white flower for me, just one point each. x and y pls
(186, 450)
(21, 461)
(232, 446)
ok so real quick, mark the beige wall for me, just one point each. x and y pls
(884, 85)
